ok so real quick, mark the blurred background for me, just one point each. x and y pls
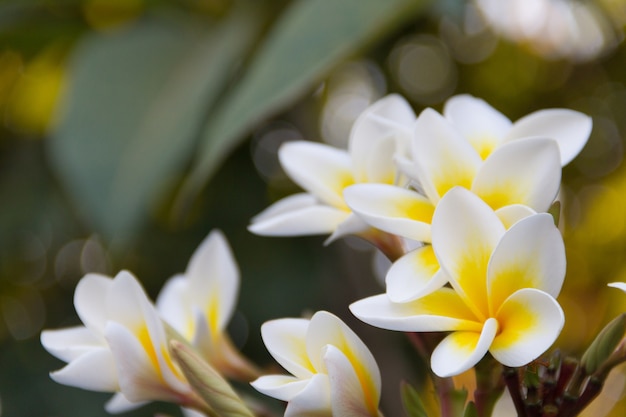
(131, 128)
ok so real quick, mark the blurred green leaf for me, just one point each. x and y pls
(308, 40)
(411, 401)
(135, 103)
(604, 344)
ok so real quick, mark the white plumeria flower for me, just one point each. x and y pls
(122, 346)
(200, 303)
(517, 176)
(503, 288)
(380, 133)
(333, 372)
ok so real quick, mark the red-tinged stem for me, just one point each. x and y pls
(511, 379)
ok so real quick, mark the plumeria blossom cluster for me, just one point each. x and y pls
(123, 344)
(462, 203)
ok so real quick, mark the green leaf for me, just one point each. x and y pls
(470, 410)
(604, 344)
(411, 401)
(309, 39)
(134, 105)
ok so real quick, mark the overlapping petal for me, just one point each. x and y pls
(285, 339)
(442, 156)
(460, 351)
(380, 133)
(298, 214)
(414, 275)
(349, 397)
(569, 128)
(530, 321)
(465, 233)
(94, 370)
(531, 254)
(482, 125)
(525, 172)
(392, 209)
(442, 310)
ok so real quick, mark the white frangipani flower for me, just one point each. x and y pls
(200, 303)
(379, 134)
(333, 372)
(503, 288)
(122, 346)
(516, 179)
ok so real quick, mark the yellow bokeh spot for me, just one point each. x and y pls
(35, 95)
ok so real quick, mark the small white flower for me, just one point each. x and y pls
(122, 346)
(379, 134)
(200, 303)
(332, 371)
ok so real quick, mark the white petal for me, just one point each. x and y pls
(95, 371)
(521, 172)
(442, 310)
(281, 387)
(509, 215)
(189, 412)
(139, 376)
(286, 205)
(119, 404)
(392, 209)
(125, 299)
(174, 305)
(531, 254)
(460, 351)
(619, 285)
(465, 232)
(312, 220)
(285, 339)
(352, 225)
(89, 301)
(569, 128)
(313, 400)
(213, 279)
(347, 395)
(69, 344)
(414, 275)
(443, 157)
(327, 329)
(530, 321)
(382, 129)
(482, 125)
(320, 169)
